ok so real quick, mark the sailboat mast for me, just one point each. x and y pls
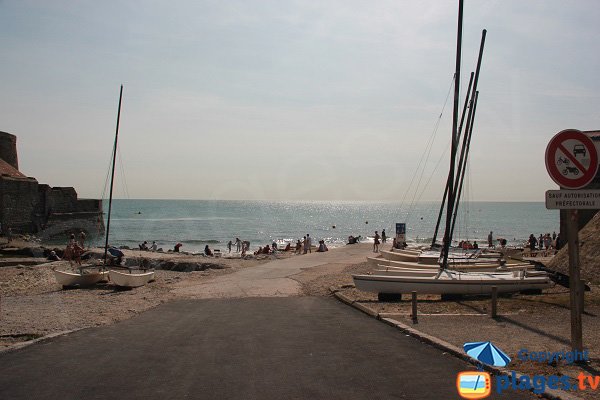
(468, 132)
(451, 192)
(461, 173)
(462, 118)
(112, 176)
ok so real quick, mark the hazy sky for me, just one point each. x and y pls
(291, 99)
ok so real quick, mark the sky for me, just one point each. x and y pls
(292, 100)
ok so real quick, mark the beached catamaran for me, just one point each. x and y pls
(91, 274)
(405, 271)
(128, 278)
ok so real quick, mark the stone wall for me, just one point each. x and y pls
(29, 207)
(18, 202)
(8, 149)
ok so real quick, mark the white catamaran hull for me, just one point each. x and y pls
(463, 283)
(126, 279)
(70, 279)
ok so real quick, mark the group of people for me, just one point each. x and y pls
(73, 251)
(544, 242)
(467, 245)
(377, 240)
(154, 247)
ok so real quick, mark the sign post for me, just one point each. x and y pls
(400, 234)
(575, 287)
(572, 162)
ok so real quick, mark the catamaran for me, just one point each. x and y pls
(406, 271)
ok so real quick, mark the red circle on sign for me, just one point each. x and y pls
(557, 173)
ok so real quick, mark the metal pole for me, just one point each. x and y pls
(112, 176)
(468, 132)
(582, 295)
(447, 239)
(575, 280)
(462, 168)
(462, 118)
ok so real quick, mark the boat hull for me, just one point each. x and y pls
(460, 284)
(471, 266)
(73, 279)
(126, 279)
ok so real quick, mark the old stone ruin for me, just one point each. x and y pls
(28, 207)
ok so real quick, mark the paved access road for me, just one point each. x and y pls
(275, 278)
(251, 348)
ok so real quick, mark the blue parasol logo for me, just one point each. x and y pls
(487, 353)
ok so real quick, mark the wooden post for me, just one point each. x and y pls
(414, 307)
(494, 301)
(574, 281)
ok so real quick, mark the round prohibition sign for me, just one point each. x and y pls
(571, 159)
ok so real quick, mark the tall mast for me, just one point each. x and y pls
(469, 130)
(461, 173)
(451, 192)
(462, 118)
(112, 176)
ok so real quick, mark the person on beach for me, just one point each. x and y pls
(305, 245)
(176, 248)
(532, 242)
(238, 244)
(308, 244)
(298, 246)
(154, 246)
(229, 246)
(288, 247)
(266, 250)
(475, 245)
(259, 251)
(491, 239)
(244, 250)
(82, 239)
(383, 236)
(53, 256)
(208, 251)
(394, 244)
(274, 247)
(322, 246)
(376, 242)
(541, 241)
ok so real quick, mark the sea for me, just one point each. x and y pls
(197, 223)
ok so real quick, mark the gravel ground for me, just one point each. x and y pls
(33, 305)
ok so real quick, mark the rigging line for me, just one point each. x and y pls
(428, 145)
(123, 180)
(434, 170)
(98, 239)
(106, 178)
(427, 151)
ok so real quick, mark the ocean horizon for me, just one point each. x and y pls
(197, 223)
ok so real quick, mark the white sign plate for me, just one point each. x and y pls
(573, 199)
